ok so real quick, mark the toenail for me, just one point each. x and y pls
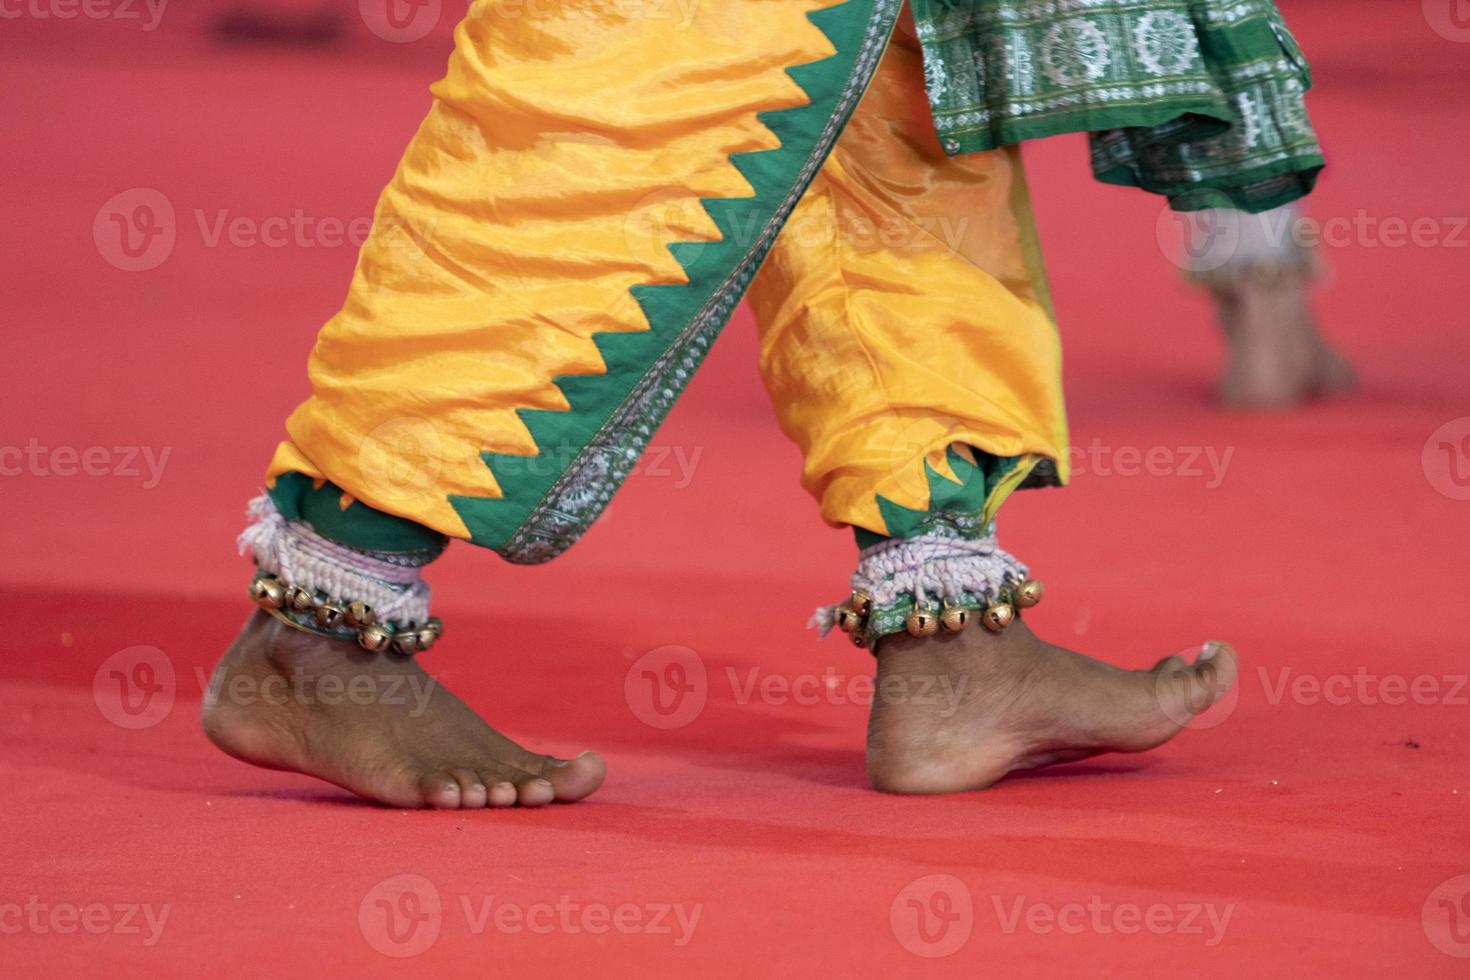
(1211, 648)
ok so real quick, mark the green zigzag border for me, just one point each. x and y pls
(613, 415)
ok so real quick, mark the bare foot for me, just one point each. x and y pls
(1278, 357)
(375, 724)
(957, 711)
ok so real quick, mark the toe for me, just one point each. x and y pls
(1187, 693)
(1215, 670)
(472, 792)
(502, 794)
(440, 790)
(535, 792)
(1170, 663)
(574, 779)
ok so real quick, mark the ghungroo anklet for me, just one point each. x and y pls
(926, 584)
(378, 599)
(316, 612)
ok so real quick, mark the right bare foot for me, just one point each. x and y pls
(957, 711)
(375, 724)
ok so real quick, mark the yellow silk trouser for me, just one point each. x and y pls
(904, 310)
(591, 192)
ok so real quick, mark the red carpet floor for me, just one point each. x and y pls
(1319, 827)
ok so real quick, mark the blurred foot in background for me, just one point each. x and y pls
(1259, 274)
(280, 23)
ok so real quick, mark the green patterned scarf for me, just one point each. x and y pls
(1198, 100)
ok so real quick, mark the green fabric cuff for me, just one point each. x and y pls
(356, 526)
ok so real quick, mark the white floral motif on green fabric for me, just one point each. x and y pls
(1198, 100)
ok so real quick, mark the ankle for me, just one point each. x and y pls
(285, 650)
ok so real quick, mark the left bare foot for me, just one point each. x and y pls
(1278, 356)
(999, 702)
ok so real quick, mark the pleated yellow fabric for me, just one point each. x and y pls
(568, 157)
(564, 151)
(904, 309)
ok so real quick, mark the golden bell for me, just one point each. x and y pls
(860, 603)
(406, 642)
(426, 638)
(374, 638)
(1028, 593)
(328, 616)
(847, 620)
(359, 614)
(921, 622)
(299, 600)
(268, 593)
(998, 616)
(435, 625)
(954, 618)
